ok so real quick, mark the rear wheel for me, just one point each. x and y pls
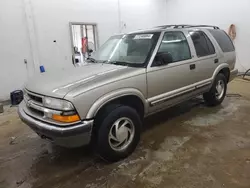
(118, 133)
(218, 91)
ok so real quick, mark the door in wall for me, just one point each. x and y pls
(83, 41)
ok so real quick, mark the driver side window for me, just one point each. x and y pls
(175, 44)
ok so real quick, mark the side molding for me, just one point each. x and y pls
(114, 95)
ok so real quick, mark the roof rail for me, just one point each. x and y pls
(165, 26)
(215, 27)
(185, 26)
(173, 26)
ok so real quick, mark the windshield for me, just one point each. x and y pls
(130, 50)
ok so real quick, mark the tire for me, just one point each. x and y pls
(214, 97)
(110, 143)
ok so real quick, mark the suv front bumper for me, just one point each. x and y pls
(71, 136)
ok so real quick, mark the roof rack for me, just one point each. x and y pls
(172, 26)
(185, 26)
(215, 27)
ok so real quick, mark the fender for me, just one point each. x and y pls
(99, 103)
(218, 69)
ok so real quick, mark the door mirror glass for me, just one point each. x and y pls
(163, 58)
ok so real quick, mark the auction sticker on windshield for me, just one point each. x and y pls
(144, 36)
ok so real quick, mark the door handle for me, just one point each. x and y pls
(192, 66)
(216, 61)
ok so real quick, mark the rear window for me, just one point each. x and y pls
(223, 40)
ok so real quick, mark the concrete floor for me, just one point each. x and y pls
(187, 146)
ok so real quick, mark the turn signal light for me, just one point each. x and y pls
(66, 119)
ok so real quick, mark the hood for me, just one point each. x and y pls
(59, 83)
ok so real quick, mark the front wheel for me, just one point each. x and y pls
(118, 133)
(217, 92)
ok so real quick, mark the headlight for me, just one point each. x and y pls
(57, 104)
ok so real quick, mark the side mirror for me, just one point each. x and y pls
(90, 51)
(163, 58)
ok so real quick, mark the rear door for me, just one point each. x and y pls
(206, 59)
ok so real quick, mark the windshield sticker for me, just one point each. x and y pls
(144, 36)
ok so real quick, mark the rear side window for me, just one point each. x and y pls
(223, 40)
(202, 44)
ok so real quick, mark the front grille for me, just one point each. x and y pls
(34, 103)
(35, 98)
(36, 112)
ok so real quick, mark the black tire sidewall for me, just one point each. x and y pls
(210, 97)
(103, 147)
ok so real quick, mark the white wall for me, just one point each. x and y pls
(52, 19)
(31, 37)
(216, 12)
(141, 14)
(14, 47)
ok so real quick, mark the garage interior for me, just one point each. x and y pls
(188, 145)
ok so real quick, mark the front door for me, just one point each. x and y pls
(170, 83)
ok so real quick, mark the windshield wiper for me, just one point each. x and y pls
(91, 60)
(119, 63)
(124, 63)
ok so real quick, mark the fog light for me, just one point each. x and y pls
(66, 119)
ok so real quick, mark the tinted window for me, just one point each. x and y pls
(202, 44)
(176, 44)
(223, 40)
